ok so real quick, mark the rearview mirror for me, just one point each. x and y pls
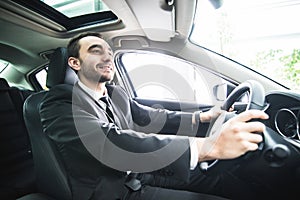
(216, 3)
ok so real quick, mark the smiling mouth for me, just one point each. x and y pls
(106, 67)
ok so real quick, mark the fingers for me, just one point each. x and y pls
(252, 146)
(251, 114)
(209, 115)
(242, 123)
(251, 137)
(238, 135)
(253, 127)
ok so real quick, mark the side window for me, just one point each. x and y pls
(3, 65)
(41, 77)
(162, 77)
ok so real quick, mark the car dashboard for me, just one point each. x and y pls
(275, 167)
(277, 164)
(284, 113)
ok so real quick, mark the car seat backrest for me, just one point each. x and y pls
(51, 175)
(52, 178)
(17, 169)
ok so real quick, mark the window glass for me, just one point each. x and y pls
(73, 8)
(261, 34)
(41, 77)
(3, 65)
(163, 77)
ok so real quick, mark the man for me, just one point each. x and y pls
(130, 151)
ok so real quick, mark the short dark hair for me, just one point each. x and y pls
(73, 46)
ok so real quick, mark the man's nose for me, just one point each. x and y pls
(107, 57)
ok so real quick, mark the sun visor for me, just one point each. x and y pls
(156, 17)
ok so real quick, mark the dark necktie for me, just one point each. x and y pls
(108, 107)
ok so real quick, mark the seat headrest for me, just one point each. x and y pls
(59, 72)
(3, 84)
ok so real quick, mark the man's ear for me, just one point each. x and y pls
(74, 63)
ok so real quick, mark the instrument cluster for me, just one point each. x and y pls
(287, 122)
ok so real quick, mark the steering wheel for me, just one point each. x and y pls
(256, 101)
(256, 95)
(275, 154)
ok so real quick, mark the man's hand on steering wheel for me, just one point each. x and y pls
(235, 138)
(228, 139)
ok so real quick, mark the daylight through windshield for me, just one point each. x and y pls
(261, 34)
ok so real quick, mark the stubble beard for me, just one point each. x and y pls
(103, 79)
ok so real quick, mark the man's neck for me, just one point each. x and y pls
(98, 87)
(94, 90)
(101, 88)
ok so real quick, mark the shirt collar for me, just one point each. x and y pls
(95, 95)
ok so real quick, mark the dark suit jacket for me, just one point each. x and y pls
(97, 152)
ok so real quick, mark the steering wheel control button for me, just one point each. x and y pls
(276, 155)
(281, 151)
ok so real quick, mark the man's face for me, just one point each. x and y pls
(96, 60)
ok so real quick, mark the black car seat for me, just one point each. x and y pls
(51, 178)
(17, 176)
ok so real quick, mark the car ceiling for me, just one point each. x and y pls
(26, 35)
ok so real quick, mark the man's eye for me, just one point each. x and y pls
(96, 51)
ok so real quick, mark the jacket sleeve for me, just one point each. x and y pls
(152, 120)
(68, 120)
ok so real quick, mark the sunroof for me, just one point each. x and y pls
(73, 8)
(71, 14)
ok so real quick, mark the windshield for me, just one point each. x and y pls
(262, 34)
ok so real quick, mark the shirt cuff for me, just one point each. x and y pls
(194, 153)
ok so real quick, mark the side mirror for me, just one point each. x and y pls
(220, 92)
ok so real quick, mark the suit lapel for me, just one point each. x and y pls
(122, 121)
(98, 107)
(89, 102)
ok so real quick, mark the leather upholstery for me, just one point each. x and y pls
(17, 171)
(59, 71)
(51, 175)
(52, 179)
(3, 84)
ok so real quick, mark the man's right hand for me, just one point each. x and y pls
(234, 138)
